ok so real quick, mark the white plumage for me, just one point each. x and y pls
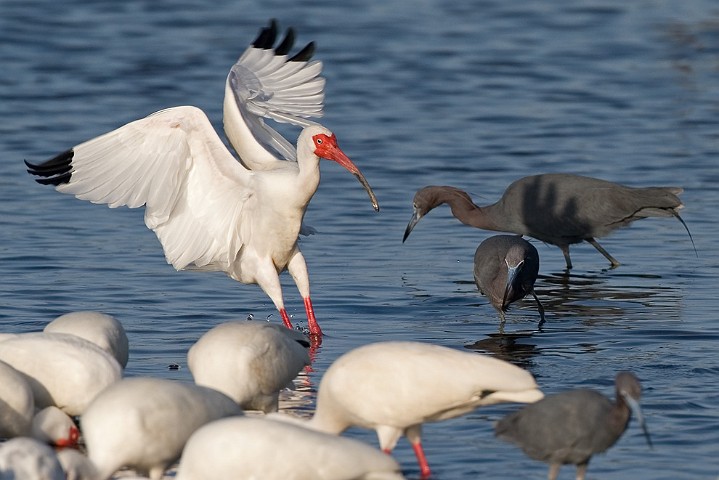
(62, 370)
(267, 449)
(249, 361)
(101, 329)
(27, 458)
(19, 417)
(395, 387)
(144, 423)
(209, 211)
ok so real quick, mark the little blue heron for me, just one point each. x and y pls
(505, 269)
(210, 211)
(557, 208)
(570, 427)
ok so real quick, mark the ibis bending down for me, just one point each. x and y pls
(101, 329)
(395, 387)
(271, 449)
(557, 208)
(250, 362)
(209, 211)
(144, 422)
(570, 427)
(505, 269)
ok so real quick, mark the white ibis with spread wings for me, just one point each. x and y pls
(209, 210)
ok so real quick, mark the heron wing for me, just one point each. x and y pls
(174, 163)
(267, 83)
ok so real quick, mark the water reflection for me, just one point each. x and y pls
(604, 298)
(510, 347)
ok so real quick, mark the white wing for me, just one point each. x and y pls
(266, 83)
(174, 163)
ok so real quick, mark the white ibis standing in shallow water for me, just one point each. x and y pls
(395, 387)
(557, 208)
(250, 362)
(209, 211)
(570, 427)
(505, 269)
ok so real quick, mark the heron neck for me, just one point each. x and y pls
(466, 211)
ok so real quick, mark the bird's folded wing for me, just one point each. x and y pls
(267, 83)
(174, 163)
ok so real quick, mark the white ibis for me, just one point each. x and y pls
(63, 370)
(53, 426)
(251, 447)
(144, 423)
(77, 466)
(249, 361)
(101, 329)
(19, 417)
(209, 211)
(395, 387)
(505, 269)
(570, 427)
(557, 208)
(27, 458)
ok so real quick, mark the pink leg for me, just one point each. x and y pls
(315, 330)
(421, 459)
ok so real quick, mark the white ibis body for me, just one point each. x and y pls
(18, 415)
(249, 361)
(395, 387)
(27, 458)
(570, 427)
(251, 447)
(505, 269)
(144, 423)
(210, 211)
(557, 208)
(63, 370)
(77, 466)
(101, 329)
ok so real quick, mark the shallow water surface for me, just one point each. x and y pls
(470, 94)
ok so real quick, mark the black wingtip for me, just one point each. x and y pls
(267, 36)
(305, 54)
(55, 171)
(287, 43)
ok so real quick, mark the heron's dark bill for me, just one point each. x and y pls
(637, 412)
(412, 222)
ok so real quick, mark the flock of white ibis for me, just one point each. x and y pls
(214, 211)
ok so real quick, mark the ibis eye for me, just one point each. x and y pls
(318, 141)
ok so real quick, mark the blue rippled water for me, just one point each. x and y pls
(471, 94)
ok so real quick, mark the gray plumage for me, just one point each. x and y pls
(557, 208)
(505, 269)
(570, 427)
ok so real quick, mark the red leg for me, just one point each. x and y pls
(285, 318)
(421, 459)
(315, 330)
